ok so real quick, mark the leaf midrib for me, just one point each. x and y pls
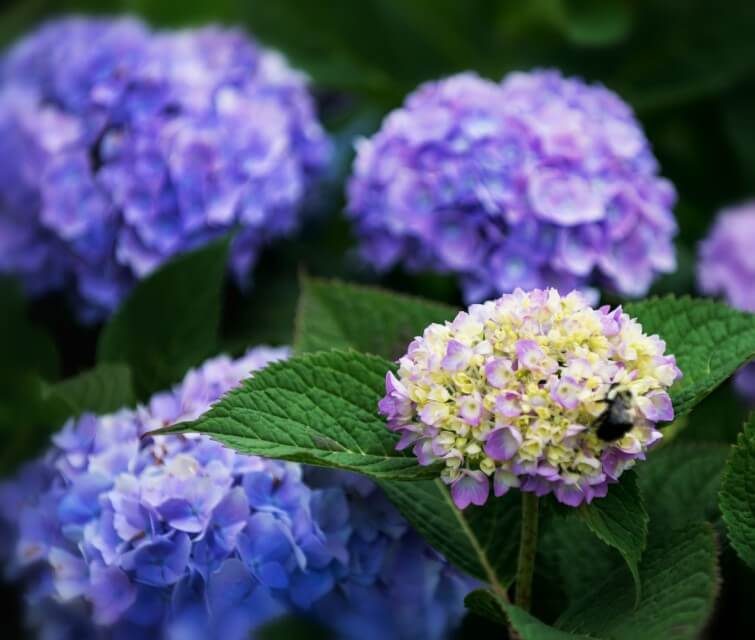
(482, 556)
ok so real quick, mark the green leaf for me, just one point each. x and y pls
(291, 626)
(482, 541)
(737, 497)
(680, 484)
(28, 357)
(23, 346)
(170, 321)
(679, 574)
(488, 604)
(620, 520)
(565, 539)
(104, 389)
(710, 342)
(317, 409)
(334, 314)
(596, 23)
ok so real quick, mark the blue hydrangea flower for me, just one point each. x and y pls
(726, 267)
(179, 537)
(121, 147)
(537, 181)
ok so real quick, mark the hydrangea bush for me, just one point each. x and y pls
(552, 403)
(164, 537)
(510, 390)
(727, 268)
(538, 181)
(122, 147)
(349, 481)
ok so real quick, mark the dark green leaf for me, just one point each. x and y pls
(23, 346)
(170, 321)
(679, 574)
(289, 626)
(28, 357)
(737, 496)
(483, 541)
(317, 409)
(333, 314)
(710, 342)
(104, 389)
(680, 484)
(620, 520)
(488, 604)
(596, 22)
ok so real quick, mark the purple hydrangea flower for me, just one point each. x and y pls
(121, 147)
(726, 267)
(538, 181)
(515, 391)
(178, 537)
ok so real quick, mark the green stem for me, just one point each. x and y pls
(527, 548)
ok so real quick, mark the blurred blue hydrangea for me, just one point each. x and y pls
(726, 267)
(120, 147)
(537, 181)
(179, 537)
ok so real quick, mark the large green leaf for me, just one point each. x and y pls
(620, 520)
(680, 484)
(737, 496)
(483, 541)
(564, 541)
(492, 606)
(596, 22)
(28, 359)
(318, 409)
(23, 346)
(101, 390)
(710, 342)
(334, 314)
(679, 574)
(170, 321)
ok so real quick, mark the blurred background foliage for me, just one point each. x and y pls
(686, 66)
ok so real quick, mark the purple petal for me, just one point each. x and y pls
(566, 392)
(472, 488)
(496, 372)
(656, 406)
(112, 593)
(503, 481)
(569, 494)
(457, 356)
(508, 404)
(503, 443)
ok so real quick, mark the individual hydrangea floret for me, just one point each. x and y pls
(120, 147)
(537, 181)
(726, 267)
(534, 390)
(119, 535)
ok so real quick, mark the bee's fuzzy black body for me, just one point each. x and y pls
(617, 419)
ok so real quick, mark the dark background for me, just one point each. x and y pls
(686, 66)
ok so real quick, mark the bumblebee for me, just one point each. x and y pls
(617, 418)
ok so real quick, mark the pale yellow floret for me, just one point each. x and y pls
(569, 334)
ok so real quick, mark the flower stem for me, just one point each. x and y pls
(527, 548)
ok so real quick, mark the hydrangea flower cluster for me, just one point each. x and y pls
(515, 390)
(726, 267)
(179, 537)
(537, 181)
(121, 147)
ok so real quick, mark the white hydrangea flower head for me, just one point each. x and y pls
(534, 390)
